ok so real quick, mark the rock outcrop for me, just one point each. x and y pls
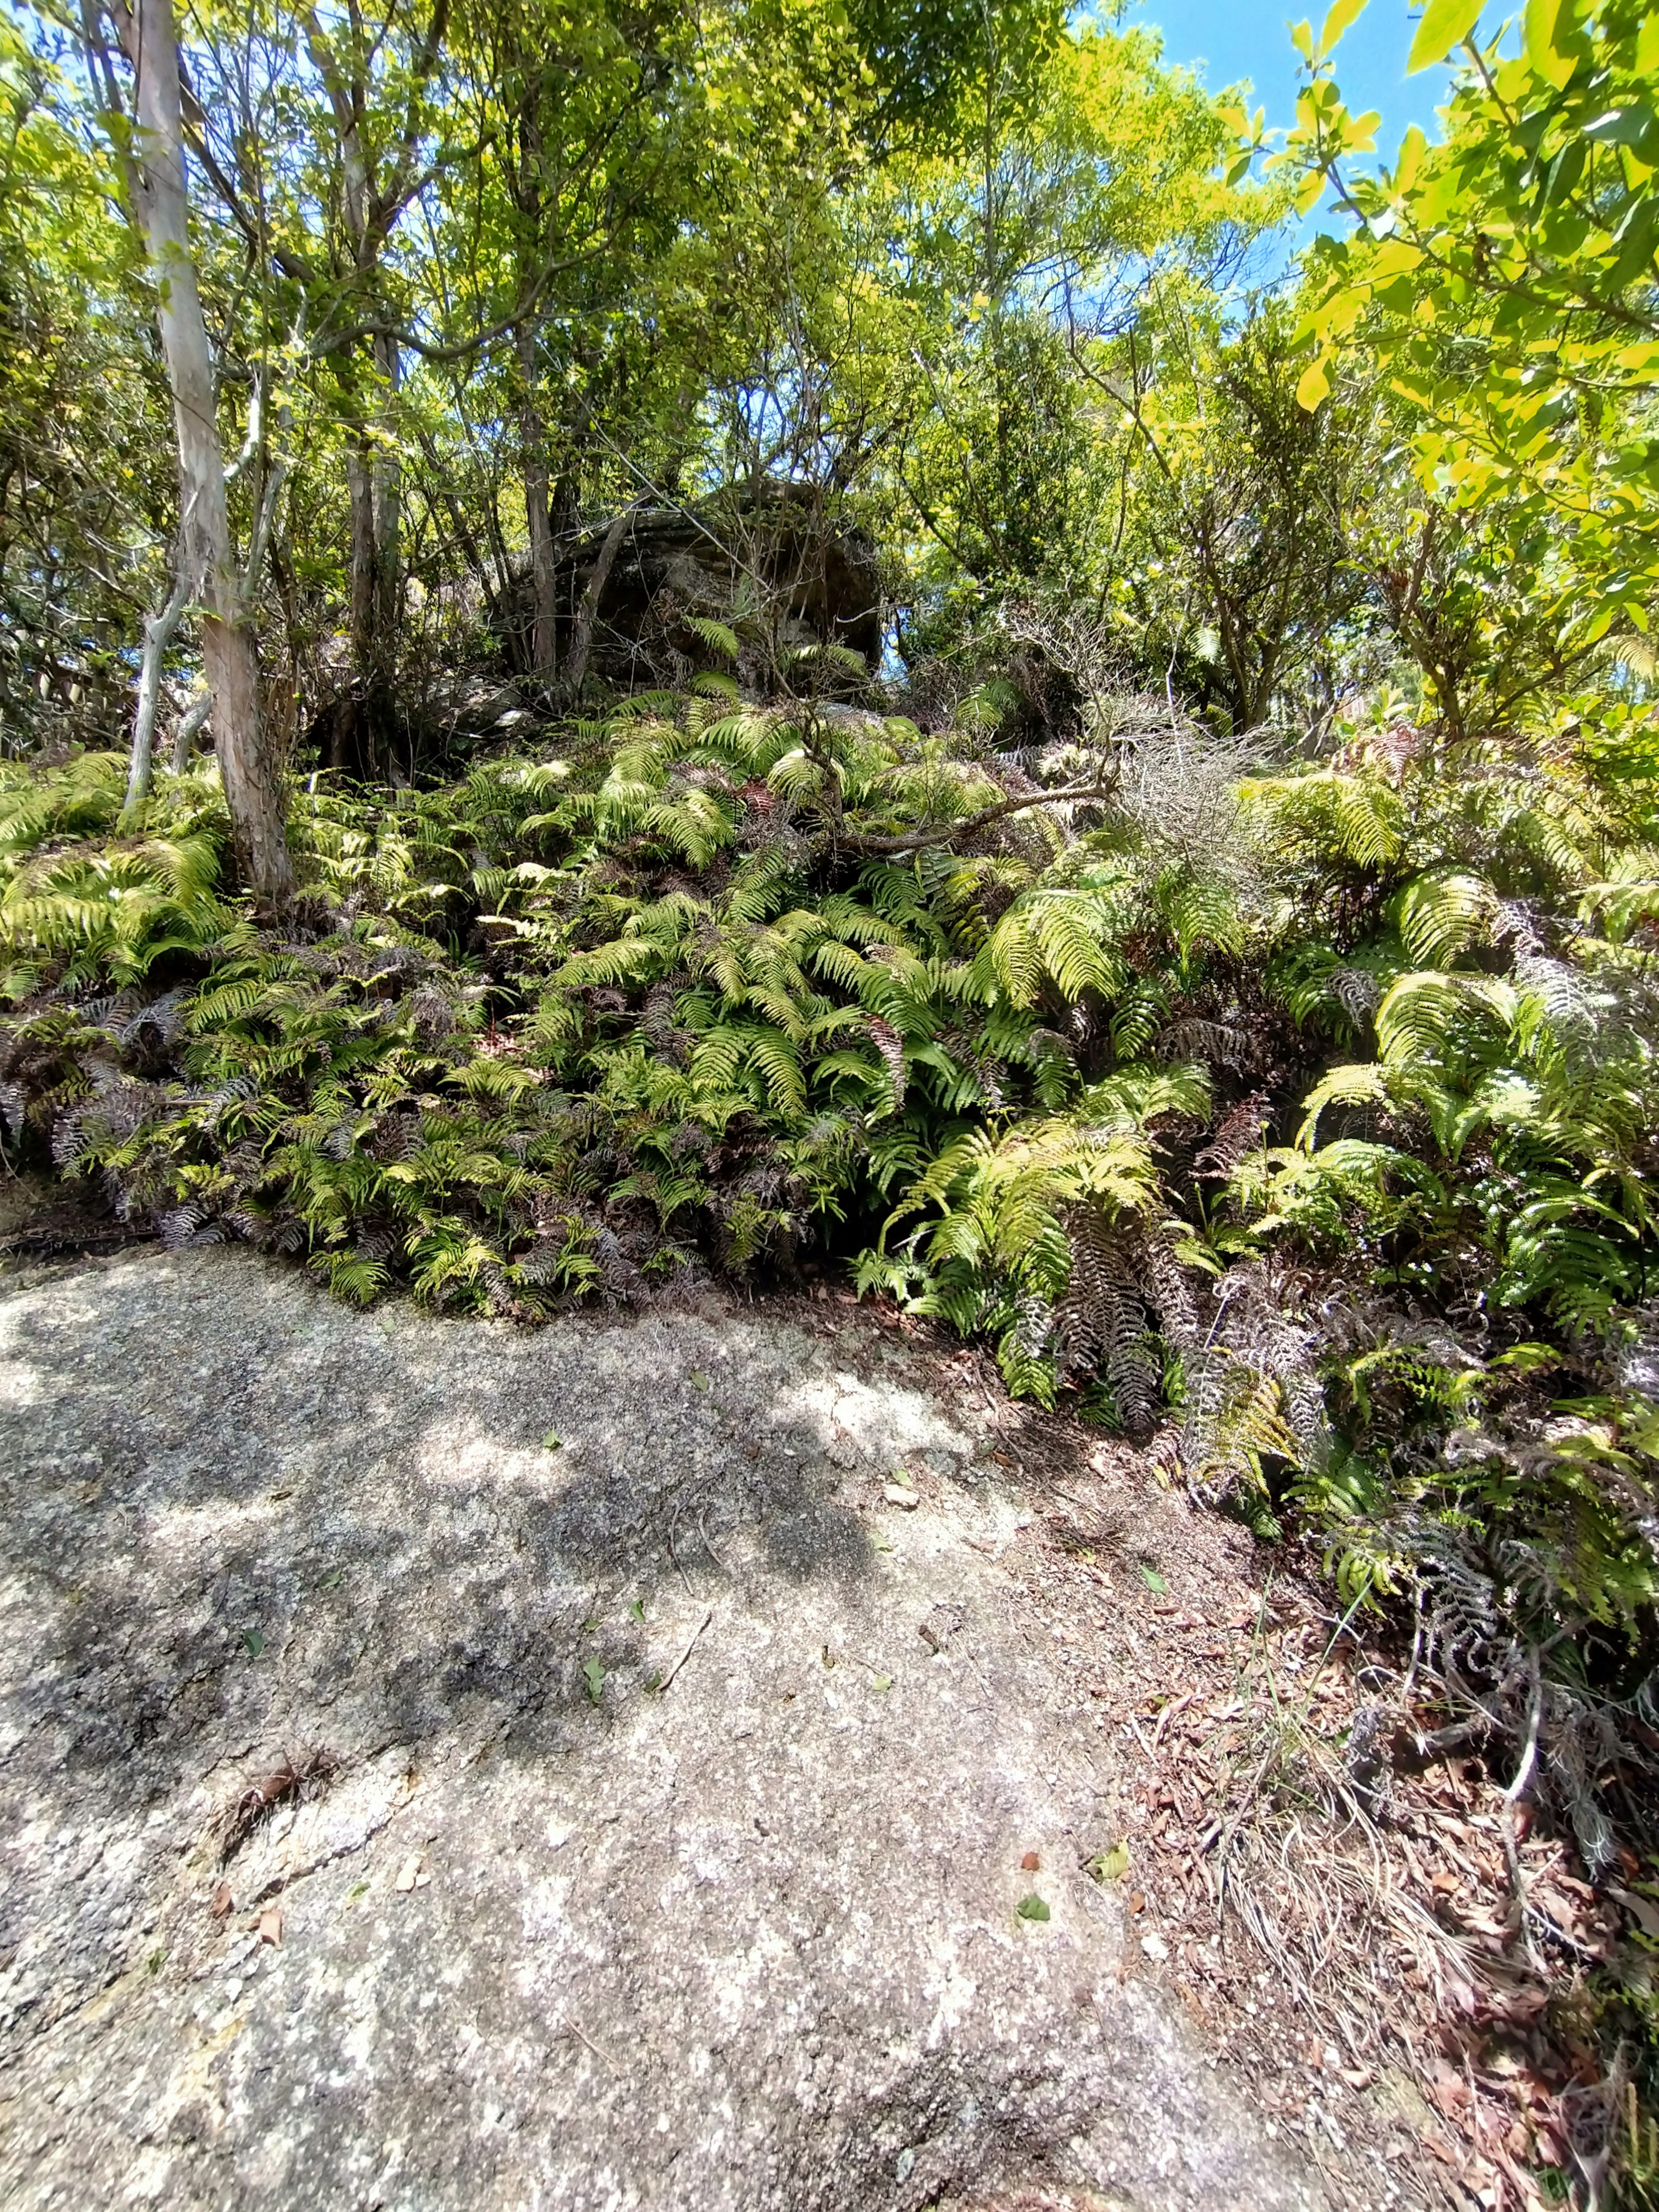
(454, 1767)
(772, 560)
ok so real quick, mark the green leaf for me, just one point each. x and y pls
(719, 636)
(1313, 385)
(1527, 1359)
(1309, 191)
(331, 1582)
(1543, 52)
(1342, 14)
(595, 1674)
(699, 1380)
(882, 1682)
(636, 1606)
(254, 1641)
(1113, 1865)
(1032, 1908)
(1445, 24)
(1412, 147)
(1153, 1580)
(552, 1441)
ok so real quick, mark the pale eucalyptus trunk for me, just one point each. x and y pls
(159, 629)
(253, 790)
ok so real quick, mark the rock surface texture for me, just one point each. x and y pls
(551, 1935)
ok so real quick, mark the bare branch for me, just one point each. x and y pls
(1073, 794)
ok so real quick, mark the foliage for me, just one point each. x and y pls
(82, 502)
(1206, 954)
(1506, 282)
(608, 1021)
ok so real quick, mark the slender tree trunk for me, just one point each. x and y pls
(253, 788)
(581, 643)
(185, 735)
(386, 496)
(360, 496)
(158, 636)
(374, 489)
(537, 506)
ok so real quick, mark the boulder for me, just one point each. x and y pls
(772, 562)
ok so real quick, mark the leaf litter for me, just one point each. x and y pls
(1421, 2030)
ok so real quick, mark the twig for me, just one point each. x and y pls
(1512, 1797)
(675, 1556)
(852, 840)
(662, 1687)
(703, 1532)
(1168, 1714)
(603, 2056)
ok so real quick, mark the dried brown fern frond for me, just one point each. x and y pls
(1126, 1287)
(291, 1781)
(1253, 1391)
(1239, 1135)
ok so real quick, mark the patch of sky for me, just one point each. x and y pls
(1232, 42)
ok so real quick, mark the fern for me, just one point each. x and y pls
(596, 1027)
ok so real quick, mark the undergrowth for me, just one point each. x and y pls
(1308, 1104)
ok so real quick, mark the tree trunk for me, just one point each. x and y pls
(544, 578)
(386, 498)
(185, 735)
(374, 487)
(581, 643)
(158, 636)
(253, 789)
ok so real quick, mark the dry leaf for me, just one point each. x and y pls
(269, 1926)
(1030, 1863)
(897, 1494)
(223, 1902)
(412, 1874)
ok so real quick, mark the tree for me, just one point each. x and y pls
(1239, 564)
(1506, 280)
(1020, 256)
(573, 111)
(87, 489)
(153, 165)
(377, 78)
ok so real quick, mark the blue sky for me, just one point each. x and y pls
(1227, 40)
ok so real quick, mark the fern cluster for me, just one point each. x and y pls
(1331, 1137)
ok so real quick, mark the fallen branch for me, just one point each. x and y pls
(914, 841)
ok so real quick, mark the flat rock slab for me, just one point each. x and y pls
(680, 1779)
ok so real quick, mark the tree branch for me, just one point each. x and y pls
(915, 840)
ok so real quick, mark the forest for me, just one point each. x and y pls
(786, 643)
